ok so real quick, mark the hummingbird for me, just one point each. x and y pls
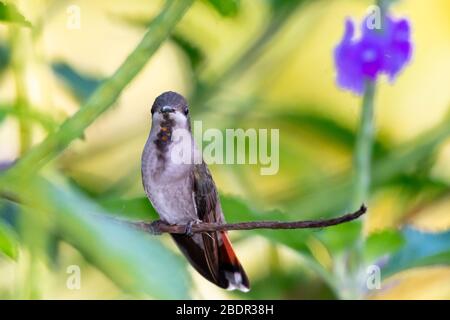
(184, 193)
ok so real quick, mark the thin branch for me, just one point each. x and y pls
(158, 227)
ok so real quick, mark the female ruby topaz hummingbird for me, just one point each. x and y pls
(183, 192)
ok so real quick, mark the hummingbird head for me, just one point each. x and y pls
(170, 109)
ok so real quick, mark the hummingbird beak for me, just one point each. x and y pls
(167, 109)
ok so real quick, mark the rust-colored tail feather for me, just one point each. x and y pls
(230, 267)
(228, 273)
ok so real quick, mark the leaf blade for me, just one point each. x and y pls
(227, 8)
(9, 13)
(133, 260)
(8, 242)
(421, 249)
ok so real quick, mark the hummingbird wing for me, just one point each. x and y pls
(222, 265)
(211, 253)
(206, 199)
(202, 250)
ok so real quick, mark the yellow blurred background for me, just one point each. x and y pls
(294, 73)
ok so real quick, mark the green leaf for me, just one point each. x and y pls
(137, 262)
(8, 241)
(194, 54)
(226, 8)
(5, 57)
(133, 208)
(278, 5)
(333, 195)
(323, 126)
(81, 85)
(3, 115)
(9, 13)
(421, 249)
(340, 237)
(236, 210)
(382, 243)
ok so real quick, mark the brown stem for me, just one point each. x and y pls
(158, 227)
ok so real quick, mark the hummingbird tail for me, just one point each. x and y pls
(230, 267)
(217, 263)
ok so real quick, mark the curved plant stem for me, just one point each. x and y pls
(362, 163)
(363, 148)
(158, 30)
(32, 115)
(22, 102)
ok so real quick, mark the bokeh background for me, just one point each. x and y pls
(241, 64)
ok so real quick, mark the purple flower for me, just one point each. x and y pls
(384, 50)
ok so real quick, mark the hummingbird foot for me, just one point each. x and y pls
(188, 231)
(155, 227)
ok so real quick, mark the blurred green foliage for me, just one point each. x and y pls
(82, 86)
(225, 7)
(9, 13)
(43, 205)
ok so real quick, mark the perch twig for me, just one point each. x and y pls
(158, 227)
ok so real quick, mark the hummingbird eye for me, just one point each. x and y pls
(186, 111)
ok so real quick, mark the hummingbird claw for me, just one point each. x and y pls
(188, 231)
(155, 227)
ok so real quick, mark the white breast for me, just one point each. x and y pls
(168, 184)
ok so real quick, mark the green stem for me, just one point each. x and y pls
(362, 161)
(325, 201)
(326, 276)
(17, 40)
(363, 148)
(104, 97)
(34, 115)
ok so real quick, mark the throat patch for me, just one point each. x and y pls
(164, 136)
